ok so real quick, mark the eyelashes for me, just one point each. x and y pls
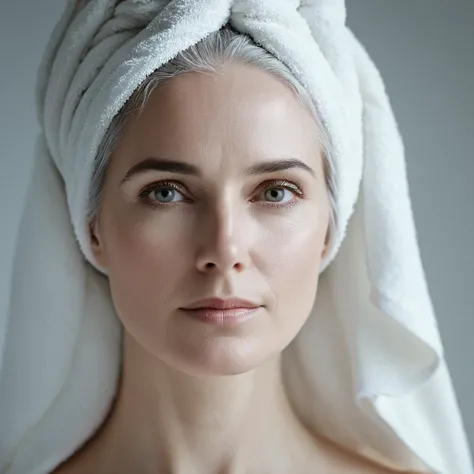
(158, 185)
(176, 188)
(282, 185)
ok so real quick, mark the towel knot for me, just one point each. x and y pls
(130, 16)
(273, 12)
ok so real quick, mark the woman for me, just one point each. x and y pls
(211, 210)
(202, 388)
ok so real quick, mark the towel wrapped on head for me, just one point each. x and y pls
(367, 370)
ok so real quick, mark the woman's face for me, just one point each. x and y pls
(232, 218)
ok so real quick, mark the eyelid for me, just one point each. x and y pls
(163, 184)
(283, 183)
(146, 190)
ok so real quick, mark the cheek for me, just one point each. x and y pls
(144, 245)
(291, 256)
(148, 238)
(147, 258)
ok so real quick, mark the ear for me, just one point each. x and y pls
(326, 243)
(97, 243)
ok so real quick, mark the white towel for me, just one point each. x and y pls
(367, 369)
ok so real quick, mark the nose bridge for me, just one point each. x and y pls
(224, 246)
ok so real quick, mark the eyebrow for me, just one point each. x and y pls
(181, 167)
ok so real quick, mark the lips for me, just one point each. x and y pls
(221, 304)
(219, 312)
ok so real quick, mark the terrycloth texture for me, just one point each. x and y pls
(367, 370)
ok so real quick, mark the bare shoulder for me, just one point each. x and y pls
(66, 467)
(72, 465)
(89, 457)
(82, 460)
(342, 461)
(367, 467)
(358, 465)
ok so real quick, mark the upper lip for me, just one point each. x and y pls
(219, 303)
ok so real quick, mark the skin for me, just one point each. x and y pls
(196, 398)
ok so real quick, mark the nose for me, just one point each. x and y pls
(224, 241)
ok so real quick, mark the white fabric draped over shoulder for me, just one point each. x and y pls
(367, 370)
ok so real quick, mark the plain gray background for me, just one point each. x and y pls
(424, 50)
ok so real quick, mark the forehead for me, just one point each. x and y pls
(240, 111)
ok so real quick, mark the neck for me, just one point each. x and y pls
(166, 420)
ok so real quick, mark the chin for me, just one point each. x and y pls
(222, 356)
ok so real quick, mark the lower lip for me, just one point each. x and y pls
(222, 317)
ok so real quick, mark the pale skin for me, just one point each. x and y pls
(195, 398)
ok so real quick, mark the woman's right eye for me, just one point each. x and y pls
(161, 194)
(165, 195)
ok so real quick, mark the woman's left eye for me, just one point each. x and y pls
(281, 192)
(277, 194)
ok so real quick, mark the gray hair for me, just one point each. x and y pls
(217, 50)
